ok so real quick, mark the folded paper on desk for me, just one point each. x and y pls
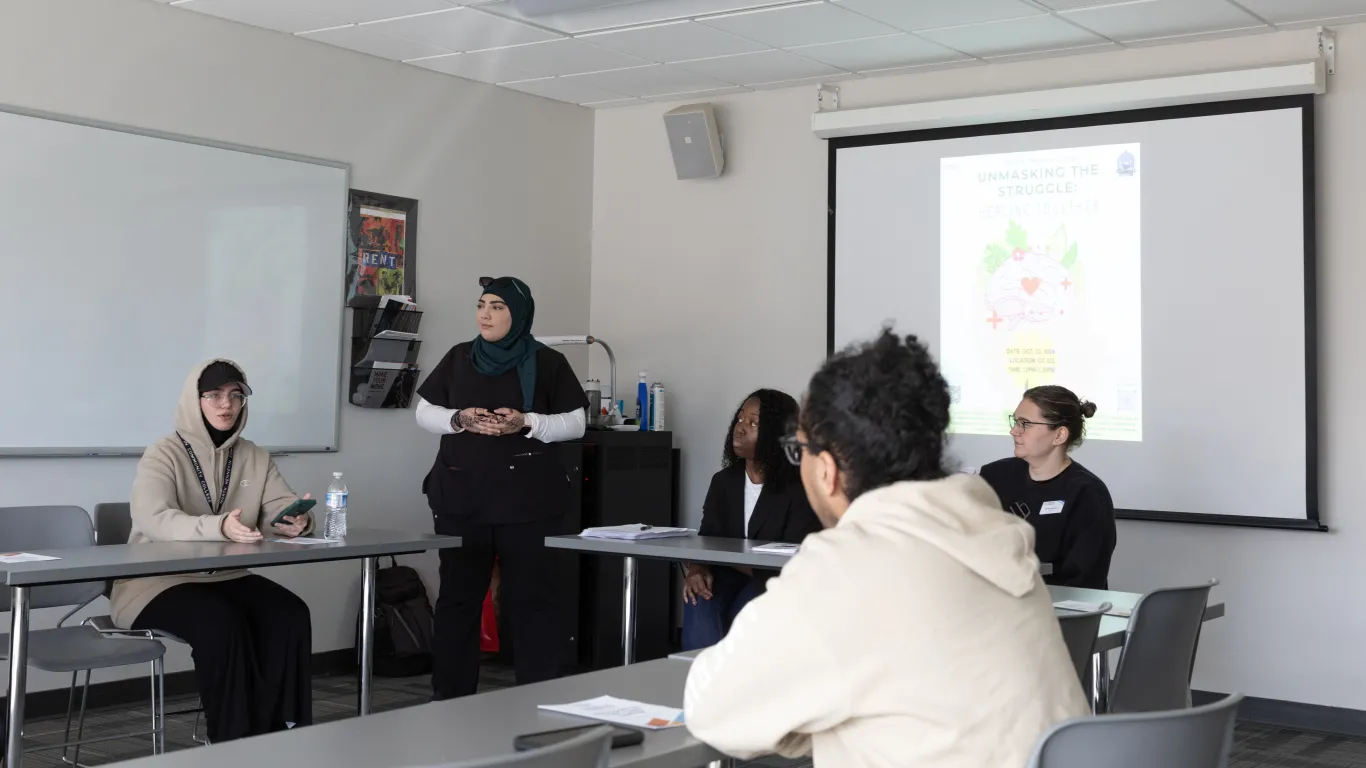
(610, 709)
(24, 557)
(634, 532)
(1084, 607)
(777, 548)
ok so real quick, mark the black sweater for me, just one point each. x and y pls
(1072, 515)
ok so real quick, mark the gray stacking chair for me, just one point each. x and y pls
(113, 525)
(1201, 737)
(589, 749)
(1155, 666)
(79, 648)
(1079, 631)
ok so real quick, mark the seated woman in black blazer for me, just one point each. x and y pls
(756, 495)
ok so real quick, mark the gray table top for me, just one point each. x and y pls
(714, 550)
(465, 729)
(1113, 628)
(121, 561)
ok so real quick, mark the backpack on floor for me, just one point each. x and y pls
(403, 623)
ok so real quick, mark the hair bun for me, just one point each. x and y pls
(1088, 409)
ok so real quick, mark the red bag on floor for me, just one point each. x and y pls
(488, 621)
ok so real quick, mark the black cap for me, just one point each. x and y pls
(218, 373)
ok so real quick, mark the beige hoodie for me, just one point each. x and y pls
(916, 632)
(168, 502)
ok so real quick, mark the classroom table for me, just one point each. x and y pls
(711, 550)
(127, 561)
(1113, 630)
(467, 728)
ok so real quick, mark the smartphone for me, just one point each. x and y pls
(294, 510)
(621, 737)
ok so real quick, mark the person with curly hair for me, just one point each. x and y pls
(1069, 507)
(756, 495)
(915, 629)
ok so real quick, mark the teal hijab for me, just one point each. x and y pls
(518, 348)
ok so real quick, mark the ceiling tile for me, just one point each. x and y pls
(765, 67)
(557, 57)
(369, 10)
(707, 94)
(271, 14)
(1162, 18)
(1290, 11)
(923, 68)
(649, 81)
(914, 15)
(806, 81)
(632, 14)
(462, 29)
(485, 70)
(1003, 38)
(880, 53)
(367, 40)
(674, 41)
(614, 103)
(804, 24)
(1055, 54)
(563, 89)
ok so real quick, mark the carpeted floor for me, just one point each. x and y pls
(334, 698)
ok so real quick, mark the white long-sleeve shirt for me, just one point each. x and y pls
(548, 428)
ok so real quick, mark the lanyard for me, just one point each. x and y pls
(203, 484)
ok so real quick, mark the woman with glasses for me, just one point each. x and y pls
(1069, 507)
(251, 638)
(756, 495)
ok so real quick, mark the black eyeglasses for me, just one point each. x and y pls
(792, 448)
(1024, 424)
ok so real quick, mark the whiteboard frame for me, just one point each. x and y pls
(343, 207)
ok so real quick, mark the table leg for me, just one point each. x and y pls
(18, 673)
(367, 632)
(1100, 683)
(628, 609)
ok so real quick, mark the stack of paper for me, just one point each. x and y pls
(634, 532)
(610, 709)
(777, 548)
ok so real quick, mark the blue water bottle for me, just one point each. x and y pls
(643, 403)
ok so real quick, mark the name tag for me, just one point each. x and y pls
(1050, 508)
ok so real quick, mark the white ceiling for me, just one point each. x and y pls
(664, 50)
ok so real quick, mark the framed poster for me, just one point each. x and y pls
(381, 246)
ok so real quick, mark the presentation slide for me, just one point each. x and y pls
(1153, 263)
(1040, 283)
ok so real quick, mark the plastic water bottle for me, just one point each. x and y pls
(334, 528)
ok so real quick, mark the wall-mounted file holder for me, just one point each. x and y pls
(384, 349)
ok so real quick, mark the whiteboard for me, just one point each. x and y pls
(128, 257)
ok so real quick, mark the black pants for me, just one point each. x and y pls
(252, 644)
(528, 596)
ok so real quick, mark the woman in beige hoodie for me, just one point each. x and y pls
(251, 638)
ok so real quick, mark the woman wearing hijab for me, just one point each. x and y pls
(251, 638)
(497, 401)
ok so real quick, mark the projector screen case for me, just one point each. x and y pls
(1298, 507)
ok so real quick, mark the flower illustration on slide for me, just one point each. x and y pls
(1028, 284)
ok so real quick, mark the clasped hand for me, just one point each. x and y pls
(504, 421)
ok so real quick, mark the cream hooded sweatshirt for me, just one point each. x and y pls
(916, 632)
(168, 502)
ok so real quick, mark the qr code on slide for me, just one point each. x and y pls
(1128, 400)
(955, 394)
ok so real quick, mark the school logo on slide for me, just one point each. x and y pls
(1126, 165)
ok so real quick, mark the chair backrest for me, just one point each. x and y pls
(589, 749)
(26, 529)
(1201, 737)
(1079, 631)
(113, 523)
(1154, 671)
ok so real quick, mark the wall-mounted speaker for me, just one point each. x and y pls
(694, 141)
